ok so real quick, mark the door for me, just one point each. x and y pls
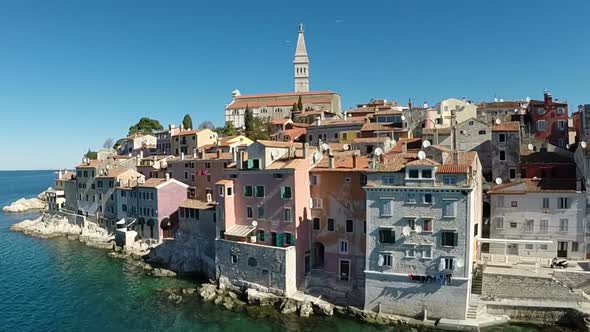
(512, 249)
(562, 249)
(344, 270)
(273, 238)
(307, 263)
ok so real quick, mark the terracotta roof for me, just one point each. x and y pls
(535, 185)
(423, 162)
(411, 143)
(363, 110)
(374, 126)
(67, 176)
(293, 133)
(188, 132)
(300, 125)
(152, 182)
(361, 140)
(239, 104)
(464, 160)
(278, 144)
(434, 131)
(340, 122)
(114, 172)
(343, 162)
(501, 104)
(388, 112)
(507, 126)
(197, 204)
(452, 169)
(287, 94)
(92, 163)
(395, 162)
(441, 148)
(224, 182)
(280, 121)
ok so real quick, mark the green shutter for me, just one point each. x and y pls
(280, 240)
(250, 163)
(282, 192)
(456, 239)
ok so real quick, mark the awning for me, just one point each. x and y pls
(239, 231)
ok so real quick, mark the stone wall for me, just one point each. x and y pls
(258, 266)
(574, 279)
(526, 287)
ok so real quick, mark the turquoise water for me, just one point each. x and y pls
(60, 285)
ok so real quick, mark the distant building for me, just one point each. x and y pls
(163, 140)
(539, 209)
(440, 116)
(505, 111)
(506, 145)
(56, 196)
(547, 120)
(188, 141)
(334, 131)
(583, 126)
(135, 143)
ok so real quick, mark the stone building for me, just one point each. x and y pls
(539, 209)
(440, 116)
(547, 120)
(423, 217)
(106, 182)
(338, 216)
(334, 131)
(505, 111)
(56, 196)
(136, 143)
(583, 126)
(188, 141)
(506, 145)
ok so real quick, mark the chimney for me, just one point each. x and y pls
(141, 154)
(218, 154)
(454, 139)
(182, 156)
(241, 159)
(318, 121)
(234, 153)
(354, 160)
(202, 153)
(548, 98)
(331, 162)
(194, 153)
(59, 174)
(404, 147)
(167, 176)
(218, 141)
(305, 147)
(425, 104)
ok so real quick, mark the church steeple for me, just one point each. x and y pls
(301, 64)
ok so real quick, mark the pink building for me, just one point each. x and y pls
(265, 203)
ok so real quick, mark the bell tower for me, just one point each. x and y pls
(301, 64)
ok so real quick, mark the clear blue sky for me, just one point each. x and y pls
(73, 73)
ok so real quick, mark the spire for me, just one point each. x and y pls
(301, 64)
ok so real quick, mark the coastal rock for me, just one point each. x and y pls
(324, 308)
(189, 291)
(208, 292)
(260, 298)
(25, 204)
(159, 272)
(305, 310)
(288, 306)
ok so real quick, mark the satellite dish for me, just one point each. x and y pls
(406, 231)
(164, 164)
(346, 147)
(378, 151)
(317, 156)
(274, 154)
(403, 118)
(426, 144)
(498, 121)
(530, 147)
(418, 229)
(325, 147)
(498, 181)
(254, 223)
(516, 110)
(583, 144)
(567, 146)
(421, 155)
(460, 262)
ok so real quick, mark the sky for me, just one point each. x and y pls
(74, 73)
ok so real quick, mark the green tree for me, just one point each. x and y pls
(300, 104)
(294, 108)
(260, 129)
(91, 154)
(228, 130)
(187, 122)
(248, 121)
(118, 143)
(145, 126)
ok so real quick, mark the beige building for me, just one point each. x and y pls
(440, 115)
(190, 140)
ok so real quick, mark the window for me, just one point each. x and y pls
(426, 252)
(124, 207)
(541, 111)
(499, 223)
(385, 260)
(544, 225)
(249, 212)
(562, 203)
(286, 193)
(347, 179)
(528, 246)
(349, 226)
(449, 238)
(386, 207)
(541, 125)
(409, 252)
(563, 225)
(450, 210)
(543, 247)
(427, 174)
(482, 132)
(411, 223)
(449, 180)
(388, 180)
(427, 225)
(234, 259)
(287, 214)
(316, 203)
(512, 173)
(499, 201)
(560, 110)
(502, 138)
(574, 246)
(447, 264)
(343, 247)
(411, 198)
(331, 225)
(427, 198)
(413, 174)
(513, 225)
(529, 225)
(561, 124)
(260, 212)
(248, 191)
(514, 204)
(313, 180)
(316, 224)
(289, 239)
(502, 155)
(386, 235)
(259, 191)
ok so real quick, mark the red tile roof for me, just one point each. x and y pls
(535, 185)
(507, 126)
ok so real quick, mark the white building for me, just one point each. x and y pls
(539, 209)
(440, 116)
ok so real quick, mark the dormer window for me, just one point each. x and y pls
(427, 173)
(413, 174)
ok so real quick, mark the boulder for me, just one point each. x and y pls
(208, 292)
(288, 306)
(159, 272)
(25, 204)
(188, 291)
(306, 309)
(261, 298)
(324, 308)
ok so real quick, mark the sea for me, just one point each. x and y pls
(62, 285)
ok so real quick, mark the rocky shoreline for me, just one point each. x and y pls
(27, 204)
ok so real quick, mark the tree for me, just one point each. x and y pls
(108, 143)
(261, 129)
(228, 130)
(248, 121)
(187, 122)
(145, 126)
(300, 104)
(118, 143)
(206, 125)
(91, 154)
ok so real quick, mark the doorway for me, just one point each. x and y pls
(512, 249)
(344, 269)
(562, 249)
(307, 264)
